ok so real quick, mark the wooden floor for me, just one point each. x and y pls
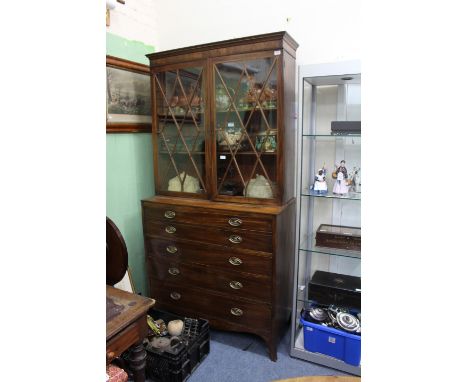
(321, 379)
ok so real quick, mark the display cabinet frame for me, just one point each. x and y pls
(281, 48)
(304, 219)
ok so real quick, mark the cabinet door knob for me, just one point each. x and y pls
(173, 271)
(236, 312)
(235, 261)
(169, 214)
(235, 239)
(235, 222)
(235, 285)
(175, 295)
(170, 229)
(171, 249)
(110, 356)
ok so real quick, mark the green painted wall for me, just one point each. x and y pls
(129, 172)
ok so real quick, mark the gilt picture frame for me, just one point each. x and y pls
(128, 96)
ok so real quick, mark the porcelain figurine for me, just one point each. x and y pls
(320, 185)
(354, 181)
(190, 184)
(341, 179)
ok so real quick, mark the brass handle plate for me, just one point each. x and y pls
(235, 285)
(235, 261)
(169, 214)
(236, 312)
(171, 249)
(175, 295)
(235, 222)
(235, 239)
(170, 229)
(173, 271)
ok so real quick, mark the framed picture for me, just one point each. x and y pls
(128, 96)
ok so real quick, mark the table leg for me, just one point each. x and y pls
(138, 362)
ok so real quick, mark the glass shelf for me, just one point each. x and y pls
(247, 109)
(348, 196)
(328, 251)
(247, 153)
(182, 152)
(333, 135)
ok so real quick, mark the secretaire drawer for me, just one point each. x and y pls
(233, 284)
(255, 241)
(215, 256)
(205, 303)
(203, 217)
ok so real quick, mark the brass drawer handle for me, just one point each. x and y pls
(173, 271)
(236, 312)
(175, 295)
(235, 222)
(171, 249)
(235, 239)
(235, 261)
(170, 229)
(169, 214)
(235, 285)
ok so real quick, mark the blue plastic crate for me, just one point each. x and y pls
(332, 342)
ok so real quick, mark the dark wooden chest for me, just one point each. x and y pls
(333, 288)
(229, 263)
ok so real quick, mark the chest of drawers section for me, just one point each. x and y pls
(216, 263)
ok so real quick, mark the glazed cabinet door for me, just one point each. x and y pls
(180, 130)
(245, 119)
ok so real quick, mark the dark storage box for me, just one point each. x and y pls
(345, 127)
(176, 364)
(336, 236)
(328, 288)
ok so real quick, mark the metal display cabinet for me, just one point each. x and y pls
(327, 93)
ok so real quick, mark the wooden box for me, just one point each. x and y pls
(335, 236)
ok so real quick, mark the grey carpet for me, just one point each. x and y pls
(242, 357)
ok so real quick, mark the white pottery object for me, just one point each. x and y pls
(191, 184)
(175, 327)
(258, 187)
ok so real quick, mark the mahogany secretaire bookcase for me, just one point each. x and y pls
(219, 234)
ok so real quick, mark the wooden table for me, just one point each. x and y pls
(126, 328)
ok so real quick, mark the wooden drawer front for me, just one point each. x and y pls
(214, 256)
(232, 284)
(256, 315)
(230, 238)
(200, 216)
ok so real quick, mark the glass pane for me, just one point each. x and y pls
(246, 127)
(181, 130)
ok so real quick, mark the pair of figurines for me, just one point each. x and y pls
(341, 186)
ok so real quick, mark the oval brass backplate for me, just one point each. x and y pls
(170, 229)
(175, 295)
(235, 261)
(235, 285)
(235, 239)
(236, 312)
(235, 222)
(173, 271)
(171, 249)
(169, 214)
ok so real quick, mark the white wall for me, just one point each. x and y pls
(326, 30)
(135, 20)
